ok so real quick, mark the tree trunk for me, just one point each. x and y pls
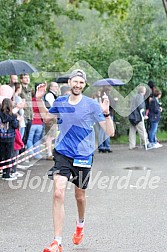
(165, 5)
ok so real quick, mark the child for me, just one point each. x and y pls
(8, 124)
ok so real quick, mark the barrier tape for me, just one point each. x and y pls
(25, 152)
(23, 159)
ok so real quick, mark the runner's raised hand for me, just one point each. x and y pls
(41, 90)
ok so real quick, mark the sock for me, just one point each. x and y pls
(58, 239)
(80, 223)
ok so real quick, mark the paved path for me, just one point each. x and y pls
(126, 209)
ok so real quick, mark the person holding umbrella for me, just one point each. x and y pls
(74, 148)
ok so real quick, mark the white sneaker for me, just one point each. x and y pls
(10, 178)
(158, 145)
(23, 167)
(17, 174)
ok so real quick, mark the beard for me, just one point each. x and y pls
(76, 91)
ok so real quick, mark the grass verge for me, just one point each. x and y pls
(161, 135)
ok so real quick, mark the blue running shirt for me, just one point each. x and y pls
(77, 138)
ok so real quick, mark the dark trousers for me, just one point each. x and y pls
(26, 134)
(27, 130)
(6, 152)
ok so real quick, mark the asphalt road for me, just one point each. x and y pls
(126, 206)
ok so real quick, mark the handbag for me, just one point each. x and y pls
(18, 143)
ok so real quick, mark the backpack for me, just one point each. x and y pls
(3, 127)
(8, 124)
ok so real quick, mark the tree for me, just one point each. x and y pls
(133, 39)
(165, 5)
(28, 29)
(105, 7)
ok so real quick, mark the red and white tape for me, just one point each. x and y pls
(23, 159)
(22, 154)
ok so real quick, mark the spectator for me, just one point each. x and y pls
(20, 103)
(8, 124)
(135, 118)
(13, 80)
(35, 134)
(51, 127)
(151, 88)
(103, 138)
(154, 118)
(28, 112)
(18, 144)
(5, 92)
(65, 90)
(52, 94)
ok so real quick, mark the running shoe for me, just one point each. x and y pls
(78, 235)
(53, 247)
(17, 174)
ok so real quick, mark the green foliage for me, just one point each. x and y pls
(105, 7)
(134, 39)
(54, 34)
(124, 138)
(30, 28)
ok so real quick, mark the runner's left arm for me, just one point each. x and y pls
(46, 116)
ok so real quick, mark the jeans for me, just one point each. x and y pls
(103, 140)
(22, 130)
(153, 131)
(34, 138)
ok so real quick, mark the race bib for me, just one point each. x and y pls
(87, 163)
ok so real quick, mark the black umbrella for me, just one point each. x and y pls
(63, 79)
(15, 67)
(108, 82)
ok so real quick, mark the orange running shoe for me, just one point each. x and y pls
(53, 247)
(78, 235)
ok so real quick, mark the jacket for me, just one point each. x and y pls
(136, 106)
(8, 124)
(26, 94)
(154, 111)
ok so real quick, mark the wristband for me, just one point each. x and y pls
(106, 115)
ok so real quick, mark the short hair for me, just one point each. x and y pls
(141, 89)
(51, 84)
(151, 84)
(22, 75)
(64, 89)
